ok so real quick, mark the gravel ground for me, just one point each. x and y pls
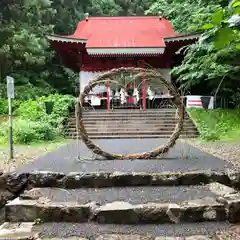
(226, 151)
(25, 154)
(233, 233)
(90, 230)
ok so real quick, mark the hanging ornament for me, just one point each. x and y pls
(136, 94)
(150, 93)
(117, 94)
(130, 76)
(123, 96)
(121, 76)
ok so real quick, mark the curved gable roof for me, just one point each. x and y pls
(123, 35)
(122, 32)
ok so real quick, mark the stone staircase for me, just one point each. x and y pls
(117, 124)
(121, 205)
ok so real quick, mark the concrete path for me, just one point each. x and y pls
(75, 157)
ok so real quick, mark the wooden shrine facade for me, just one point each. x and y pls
(103, 43)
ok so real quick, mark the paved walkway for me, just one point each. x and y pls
(75, 157)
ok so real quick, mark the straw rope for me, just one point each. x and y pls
(149, 74)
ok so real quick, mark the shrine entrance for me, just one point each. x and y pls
(125, 99)
(101, 44)
(123, 92)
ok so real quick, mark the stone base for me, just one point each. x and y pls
(17, 182)
(46, 211)
(117, 212)
(19, 231)
(112, 179)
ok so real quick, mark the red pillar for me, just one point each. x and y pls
(144, 91)
(108, 95)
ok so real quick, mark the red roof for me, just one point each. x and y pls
(124, 32)
(121, 36)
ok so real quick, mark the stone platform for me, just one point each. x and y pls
(187, 195)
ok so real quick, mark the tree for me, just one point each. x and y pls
(24, 25)
(212, 61)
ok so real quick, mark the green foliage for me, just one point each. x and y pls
(33, 124)
(24, 49)
(25, 52)
(4, 106)
(203, 63)
(35, 110)
(217, 124)
(25, 131)
(213, 61)
(26, 55)
(185, 15)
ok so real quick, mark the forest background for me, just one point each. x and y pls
(26, 55)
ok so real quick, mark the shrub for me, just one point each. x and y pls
(34, 124)
(4, 105)
(62, 106)
(35, 109)
(25, 131)
(31, 110)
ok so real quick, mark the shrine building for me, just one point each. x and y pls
(103, 43)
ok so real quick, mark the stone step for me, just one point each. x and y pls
(118, 212)
(135, 133)
(128, 115)
(136, 128)
(76, 180)
(74, 136)
(129, 127)
(212, 202)
(130, 124)
(133, 195)
(88, 231)
(123, 118)
(137, 120)
(134, 112)
(120, 136)
(91, 212)
(129, 111)
(19, 231)
(124, 127)
(107, 132)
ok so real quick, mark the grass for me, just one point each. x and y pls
(217, 125)
(26, 153)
